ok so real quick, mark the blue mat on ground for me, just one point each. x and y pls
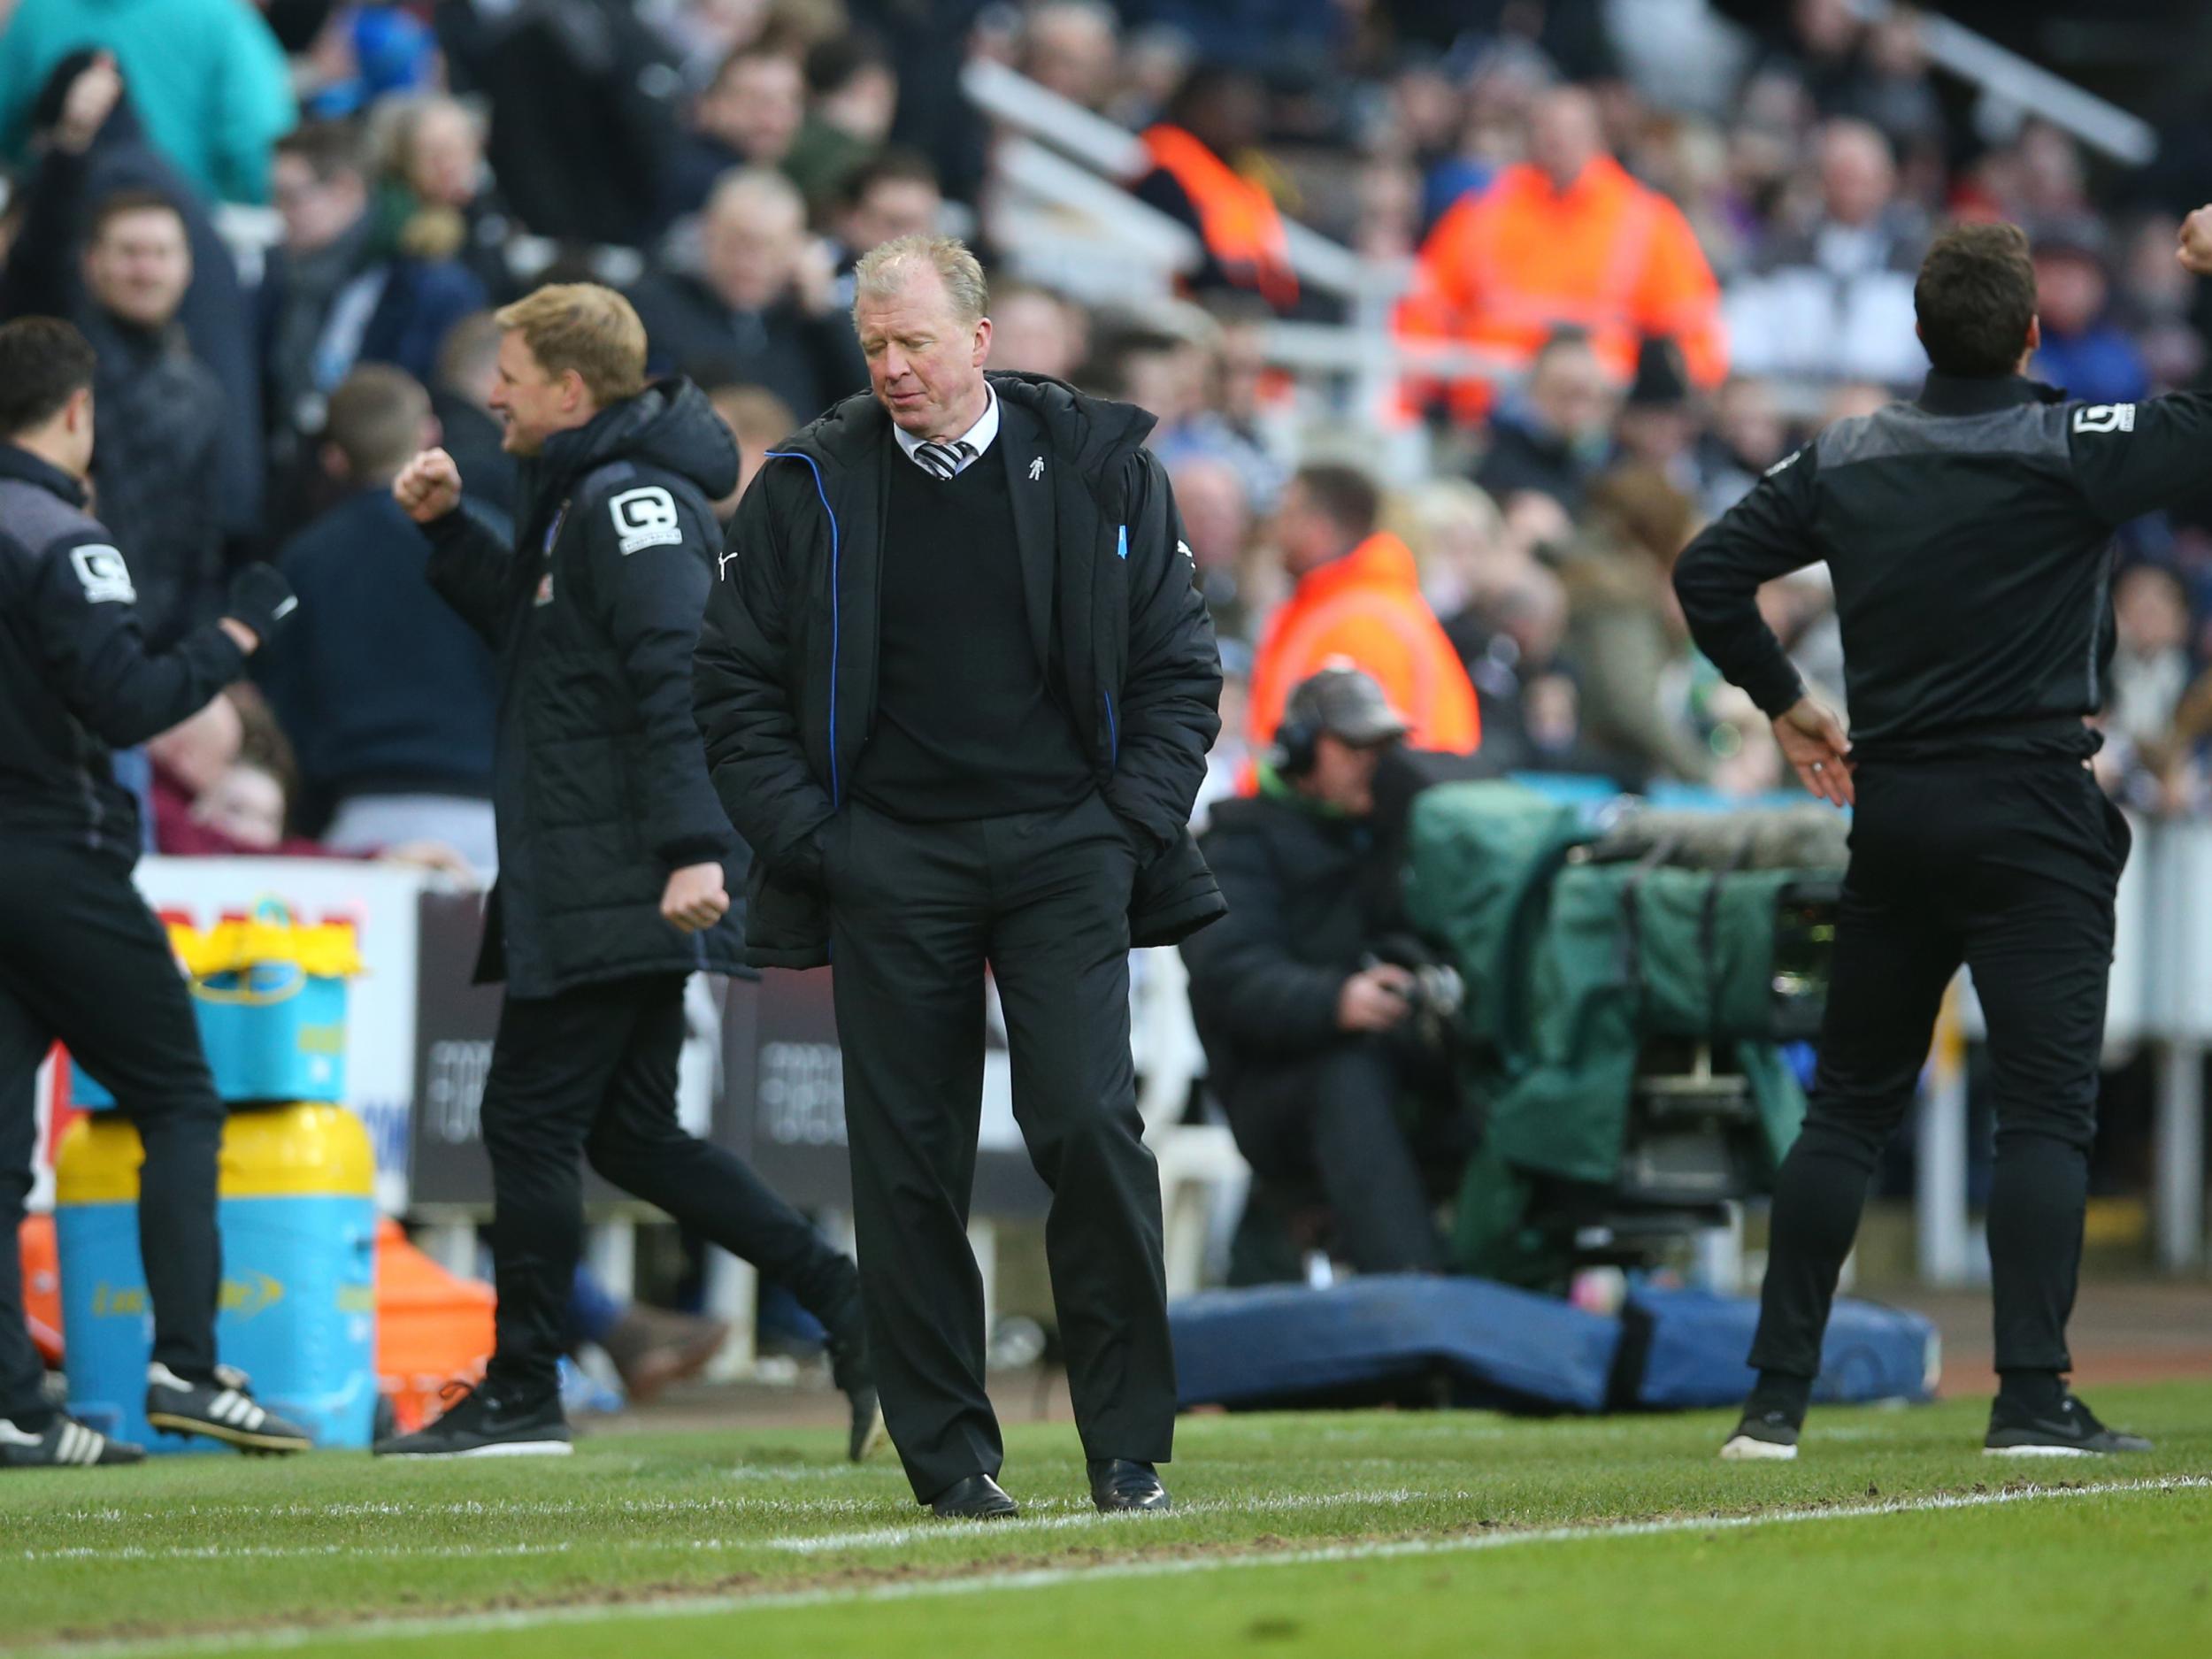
(1468, 1341)
(1693, 1344)
(1360, 1341)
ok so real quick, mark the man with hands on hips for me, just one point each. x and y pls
(1812, 738)
(616, 859)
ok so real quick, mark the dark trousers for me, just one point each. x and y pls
(1331, 1119)
(81, 958)
(918, 909)
(2011, 868)
(591, 1073)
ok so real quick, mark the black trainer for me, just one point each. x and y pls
(478, 1423)
(854, 1375)
(220, 1408)
(2070, 1431)
(64, 1443)
(1768, 1437)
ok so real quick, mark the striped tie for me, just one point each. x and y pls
(940, 460)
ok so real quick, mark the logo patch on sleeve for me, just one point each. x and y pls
(2105, 417)
(105, 577)
(645, 517)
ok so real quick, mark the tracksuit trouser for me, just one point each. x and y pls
(84, 960)
(2009, 866)
(590, 1074)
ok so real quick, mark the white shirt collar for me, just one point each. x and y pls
(979, 437)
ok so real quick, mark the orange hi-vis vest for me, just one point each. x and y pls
(1367, 607)
(1242, 227)
(1505, 267)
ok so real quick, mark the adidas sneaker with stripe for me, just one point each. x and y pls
(222, 1408)
(64, 1443)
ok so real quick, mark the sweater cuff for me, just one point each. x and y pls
(687, 850)
(224, 655)
(1779, 689)
(446, 526)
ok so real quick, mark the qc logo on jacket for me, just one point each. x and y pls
(599, 785)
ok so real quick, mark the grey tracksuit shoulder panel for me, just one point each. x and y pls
(1906, 432)
(75, 677)
(1969, 535)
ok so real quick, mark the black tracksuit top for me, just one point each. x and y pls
(1969, 534)
(76, 679)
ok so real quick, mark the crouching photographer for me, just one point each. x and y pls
(1324, 1037)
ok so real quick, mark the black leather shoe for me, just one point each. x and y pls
(978, 1498)
(1118, 1483)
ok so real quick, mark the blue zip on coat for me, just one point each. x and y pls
(837, 792)
(1113, 732)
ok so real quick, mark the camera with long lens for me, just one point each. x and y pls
(1436, 994)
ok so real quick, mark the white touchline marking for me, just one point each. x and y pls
(801, 1543)
(474, 1508)
(818, 1543)
(1053, 1577)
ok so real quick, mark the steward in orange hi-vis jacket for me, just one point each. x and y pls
(1212, 126)
(1565, 239)
(1358, 600)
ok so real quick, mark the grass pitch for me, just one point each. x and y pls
(1325, 1535)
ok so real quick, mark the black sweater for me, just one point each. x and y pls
(966, 724)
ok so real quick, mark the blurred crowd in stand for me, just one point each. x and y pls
(1633, 254)
(1644, 252)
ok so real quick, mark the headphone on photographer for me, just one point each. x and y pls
(1291, 754)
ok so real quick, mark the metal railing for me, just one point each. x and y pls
(2159, 997)
(1101, 156)
(2028, 87)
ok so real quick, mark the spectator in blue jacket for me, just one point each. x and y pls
(386, 695)
(2085, 350)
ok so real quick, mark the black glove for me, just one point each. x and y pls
(261, 599)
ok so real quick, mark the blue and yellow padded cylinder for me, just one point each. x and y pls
(270, 997)
(296, 1210)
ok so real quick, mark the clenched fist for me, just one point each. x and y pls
(695, 898)
(428, 487)
(2195, 252)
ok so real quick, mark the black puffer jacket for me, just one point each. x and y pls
(1302, 892)
(786, 666)
(599, 780)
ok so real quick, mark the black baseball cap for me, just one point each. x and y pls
(1348, 706)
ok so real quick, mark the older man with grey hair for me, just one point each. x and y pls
(958, 690)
